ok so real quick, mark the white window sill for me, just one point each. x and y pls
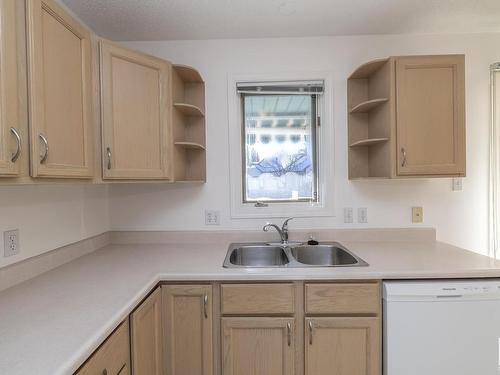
(299, 209)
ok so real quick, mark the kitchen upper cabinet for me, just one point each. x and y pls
(430, 116)
(12, 131)
(146, 336)
(342, 346)
(255, 346)
(59, 68)
(406, 117)
(135, 113)
(188, 329)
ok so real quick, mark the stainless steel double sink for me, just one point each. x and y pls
(325, 254)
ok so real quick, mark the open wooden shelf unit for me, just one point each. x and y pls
(370, 104)
(188, 124)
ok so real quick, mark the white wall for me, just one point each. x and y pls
(460, 217)
(51, 216)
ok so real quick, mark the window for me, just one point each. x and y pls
(279, 141)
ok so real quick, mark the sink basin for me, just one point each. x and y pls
(325, 255)
(257, 256)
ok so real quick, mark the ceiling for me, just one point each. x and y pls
(129, 20)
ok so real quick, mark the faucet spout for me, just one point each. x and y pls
(268, 226)
(283, 231)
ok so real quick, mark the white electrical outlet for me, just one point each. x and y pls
(348, 215)
(456, 184)
(417, 214)
(212, 217)
(363, 215)
(11, 243)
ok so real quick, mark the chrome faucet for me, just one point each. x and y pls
(283, 231)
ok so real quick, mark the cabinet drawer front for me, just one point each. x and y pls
(258, 298)
(113, 357)
(359, 298)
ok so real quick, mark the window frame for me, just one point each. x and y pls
(494, 164)
(314, 139)
(325, 207)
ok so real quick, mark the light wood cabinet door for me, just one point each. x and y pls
(342, 346)
(113, 357)
(59, 67)
(12, 146)
(430, 115)
(258, 346)
(146, 335)
(188, 329)
(135, 110)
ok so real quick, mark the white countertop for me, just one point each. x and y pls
(49, 325)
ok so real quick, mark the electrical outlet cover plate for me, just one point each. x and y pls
(456, 184)
(362, 215)
(417, 214)
(11, 243)
(212, 217)
(348, 215)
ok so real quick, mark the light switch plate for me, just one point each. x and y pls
(417, 214)
(11, 243)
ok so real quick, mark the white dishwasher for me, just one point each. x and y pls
(442, 327)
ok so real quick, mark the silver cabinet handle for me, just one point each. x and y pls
(43, 157)
(403, 152)
(311, 328)
(205, 306)
(289, 333)
(108, 152)
(16, 154)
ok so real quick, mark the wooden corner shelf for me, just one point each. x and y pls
(189, 109)
(188, 125)
(190, 145)
(191, 181)
(368, 69)
(368, 105)
(368, 142)
(187, 73)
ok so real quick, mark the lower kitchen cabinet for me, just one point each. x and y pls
(112, 357)
(285, 328)
(342, 346)
(258, 346)
(146, 336)
(188, 329)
